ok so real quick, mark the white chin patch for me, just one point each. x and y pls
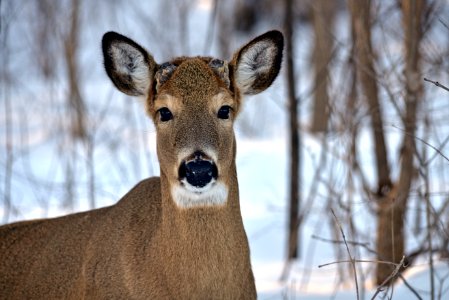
(213, 194)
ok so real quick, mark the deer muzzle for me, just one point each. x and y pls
(199, 171)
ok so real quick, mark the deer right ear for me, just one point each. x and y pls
(130, 67)
(257, 64)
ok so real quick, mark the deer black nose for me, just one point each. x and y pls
(198, 172)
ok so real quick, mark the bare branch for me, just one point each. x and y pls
(392, 275)
(423, 141)
(349, 253)
(363, 245)
(410, 287)
(359, 261)
(437, 84)
(444, 24)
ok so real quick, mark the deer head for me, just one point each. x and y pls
(193, 102)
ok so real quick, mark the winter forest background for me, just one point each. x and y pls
(343, 163)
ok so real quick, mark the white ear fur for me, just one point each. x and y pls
(129, 62)
(258, 63)
(128, 65)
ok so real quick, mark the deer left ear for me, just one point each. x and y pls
(130, 67)
(257, 64)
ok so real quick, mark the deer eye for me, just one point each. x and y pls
(165, 114)
(224, 111)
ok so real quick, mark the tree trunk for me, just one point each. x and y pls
(391, 238)
(323, 12)
(391, 200)
(76, 103)
(392, 212)
(294, 139)
(360, 13)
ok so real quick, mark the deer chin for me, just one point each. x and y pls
(215, 193)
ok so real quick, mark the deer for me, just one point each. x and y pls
(176, 236)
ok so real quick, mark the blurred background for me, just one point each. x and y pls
(343, 163)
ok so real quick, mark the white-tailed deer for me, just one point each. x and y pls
(177, 236)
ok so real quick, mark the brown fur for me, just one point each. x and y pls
(145, 246)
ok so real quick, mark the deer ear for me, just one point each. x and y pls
(130, 67)
(257, 64)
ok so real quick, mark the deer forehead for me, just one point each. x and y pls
(192, 84)
(193, 78)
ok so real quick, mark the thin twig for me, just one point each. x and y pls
(444, 24)
(337, 241)
(441, 146)
(392, 275)
(363, 245)
(359, 261)
(410, 287)
(425, 174)
(437, 84)
(349, 253)
(423, 141)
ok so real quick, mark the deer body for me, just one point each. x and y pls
(177, 236)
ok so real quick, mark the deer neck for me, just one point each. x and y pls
(201, 240)
(202, 226)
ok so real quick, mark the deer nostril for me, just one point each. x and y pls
(198, 172)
